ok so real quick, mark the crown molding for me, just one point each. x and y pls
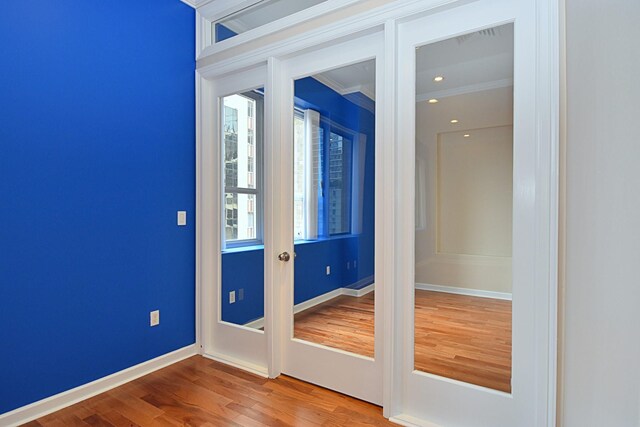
(478, 87)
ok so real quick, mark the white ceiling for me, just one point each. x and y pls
(476, 61)
(358, 77)
(476, 110)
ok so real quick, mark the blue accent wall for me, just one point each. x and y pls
(96, 156)
(244, 269)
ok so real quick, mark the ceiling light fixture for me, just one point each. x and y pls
(454, 121)
(466, 135)
(438, 79)
(433, 101)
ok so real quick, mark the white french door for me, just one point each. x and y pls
(315, 177)
(427, 47)
(341, 262)
(234, 313)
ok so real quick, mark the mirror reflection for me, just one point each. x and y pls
(242, 289)
(464, 198)
(334, 185)
(256, 14)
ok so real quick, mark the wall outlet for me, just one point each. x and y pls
(328, 270)
(240, 294)
(232, 297)
(182, 218)
(154, 318)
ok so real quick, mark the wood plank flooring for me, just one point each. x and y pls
(201, 392)
(456, 336)
(343, 322)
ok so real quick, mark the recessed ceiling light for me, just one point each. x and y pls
(466, 135)
(433, 101)
(454, 121)
(438, 78)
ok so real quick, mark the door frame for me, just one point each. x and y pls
(347, 23)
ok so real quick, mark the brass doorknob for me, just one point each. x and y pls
(284, 256)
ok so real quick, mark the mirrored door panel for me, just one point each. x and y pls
(334, 188)
(242, 288)
(464, 205)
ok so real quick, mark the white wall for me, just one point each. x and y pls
(464, 191)
(601, 360)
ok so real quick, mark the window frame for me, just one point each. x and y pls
(258, 191)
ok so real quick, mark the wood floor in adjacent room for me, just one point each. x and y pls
(457, 336)
(201, 392)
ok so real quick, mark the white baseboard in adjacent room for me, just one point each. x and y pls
(67, 398)
(305, 305)
(464, 291)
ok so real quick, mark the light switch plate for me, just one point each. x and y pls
(154, 318)
(182, 217)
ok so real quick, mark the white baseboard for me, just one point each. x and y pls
(237, 363)
(305, 305)
(67, 398)
(409, 421)
(464, 291)
(358, 292)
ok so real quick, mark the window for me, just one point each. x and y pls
(339, 184)
(242, 183)
(322, 192)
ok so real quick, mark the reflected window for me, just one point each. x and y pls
(242, 214)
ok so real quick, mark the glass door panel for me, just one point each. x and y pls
(242, 290)
(464, 140)
(234, 290)
(334, 215)
(329, 223)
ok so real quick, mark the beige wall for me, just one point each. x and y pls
(475, 192)
(464, 192)
(600, 376)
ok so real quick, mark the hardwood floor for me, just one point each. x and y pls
(464, 338)
(201, 392)
(456, 336)
(343, 322)
(460, 337)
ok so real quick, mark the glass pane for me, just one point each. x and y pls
(240, 217)
(239, 124)
(259, 13)
(464, 199)
(334, 208)
(242, 290)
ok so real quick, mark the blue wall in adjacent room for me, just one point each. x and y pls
(96, 156)
(244, 269)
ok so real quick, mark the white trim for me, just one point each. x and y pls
(215, 61)
(409, 421)
(211, 14)
(341, 89)
(464, 291)
(67, 398)
(237, 363)
(196, 3)
(310, 303)
(478, 87)
(358, 292)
